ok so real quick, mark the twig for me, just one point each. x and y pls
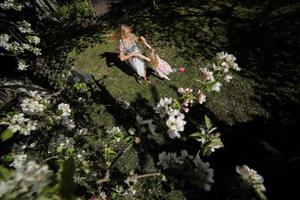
(105, 179)
(56, 93)
(134, 178)
(148, 175)
(53, 157)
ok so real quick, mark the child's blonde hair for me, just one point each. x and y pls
(150, 53)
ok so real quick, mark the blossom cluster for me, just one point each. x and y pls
(175, 123)
(11, 4)
(114, 130)
(24, 27)
(19, 123)
(63, 115)
(202, 170)
(28, 179)
(220, 70)
(148, 122)
(171, 160)
(225, 61)
(65, 143)
(252, 178)
(163, 107)
(210, 80)
(22, 66)
(33, 39)
(18, 48)
(206, 173)
(187, 96)
(35, 104)
(175, 119)
(24, 43)
(64, 109)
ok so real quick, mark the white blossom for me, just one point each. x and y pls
(167, 160)
(114, 130)
(65, 109)
(227, 61)
(35, 104)
(201, 97)
(83, 131)
(205, 172)
(19, 123)
(148, 122)
(216, 87)
(175, 123)
(65, 142)
(184, 90)
(28, 179)
(19, 161)
(30, 105)
(69, 123)
(4, 42)
(36, 51)
(22, 65)
(25, 27)
(163, 107)
(227, 78)
(33, 39)
(251, 177)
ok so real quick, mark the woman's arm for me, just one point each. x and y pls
(144, 57)
(124, 57)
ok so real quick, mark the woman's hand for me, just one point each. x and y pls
(134, 54)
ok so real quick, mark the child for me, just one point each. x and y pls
(161, 67)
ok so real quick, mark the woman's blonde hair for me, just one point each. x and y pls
(150, 53)
(118, 33)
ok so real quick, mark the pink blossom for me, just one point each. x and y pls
(208, 75)
(186, 110)
(201, 97)
(182, 69)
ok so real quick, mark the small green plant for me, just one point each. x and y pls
(208, 137)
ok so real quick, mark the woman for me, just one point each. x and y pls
(130, 53)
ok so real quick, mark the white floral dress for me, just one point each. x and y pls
(137, 64)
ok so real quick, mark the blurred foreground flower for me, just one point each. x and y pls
(252, 179)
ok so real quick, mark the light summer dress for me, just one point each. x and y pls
(135, 63)
(163, 69)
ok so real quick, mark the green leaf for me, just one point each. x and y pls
(4, 173)
(7, 134)
(195, 135)
(67, 186)
(208, 122)
(59, 149)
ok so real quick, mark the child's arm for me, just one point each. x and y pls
(143, 40)
(144, 57)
